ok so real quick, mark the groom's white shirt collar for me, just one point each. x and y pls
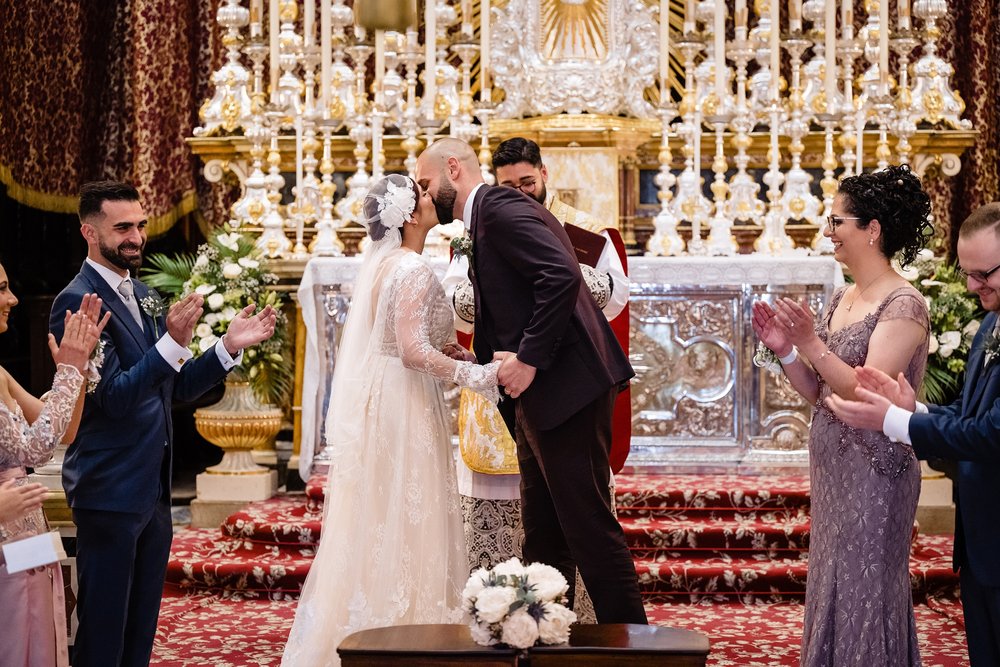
(467, 209)
(112, 278)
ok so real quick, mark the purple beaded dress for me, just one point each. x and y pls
(864, 489)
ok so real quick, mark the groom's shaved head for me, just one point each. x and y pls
(449, 147)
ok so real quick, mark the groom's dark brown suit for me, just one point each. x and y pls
(531, 299)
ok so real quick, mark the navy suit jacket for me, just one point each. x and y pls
(122, 456)
(531, 299)
(968, 431)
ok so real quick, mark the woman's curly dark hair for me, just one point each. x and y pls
(896, 199)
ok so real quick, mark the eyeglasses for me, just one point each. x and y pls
(979, 276)
(526, 187)
(834, 221)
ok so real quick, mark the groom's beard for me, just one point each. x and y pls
(444, 203)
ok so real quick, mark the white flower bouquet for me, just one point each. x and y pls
(517, 605)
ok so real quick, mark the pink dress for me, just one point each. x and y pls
(33, 632)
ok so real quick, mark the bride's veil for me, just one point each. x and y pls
(385, 209)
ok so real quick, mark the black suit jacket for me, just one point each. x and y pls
(121, 458)
(531, 299)
(968, 431)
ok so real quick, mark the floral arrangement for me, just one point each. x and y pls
(228, 272)
(462, 245)
(991, 347)
(94, 366)
(517, 605)
(764, 357)
(955, 315)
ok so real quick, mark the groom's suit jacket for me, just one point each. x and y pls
(968, 431)
(121, 458)
(531, 299)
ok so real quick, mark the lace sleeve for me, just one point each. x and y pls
(30, 445)
(416, 293)
(907, 304)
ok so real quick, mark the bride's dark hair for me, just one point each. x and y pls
(376, 195)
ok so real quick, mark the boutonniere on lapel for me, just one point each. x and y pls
(154, 306)
(94, 366)
(462, 245)
(991, 347)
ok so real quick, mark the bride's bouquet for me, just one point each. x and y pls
(518, 605)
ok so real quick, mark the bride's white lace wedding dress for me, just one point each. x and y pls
(393, 547)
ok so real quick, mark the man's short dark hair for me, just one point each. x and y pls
(984, 217)
(515, 150)
(94, 194)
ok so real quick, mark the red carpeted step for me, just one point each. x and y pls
(649, 494)
(780, 533)
(758, 578)
(280, 520)
(204, 560)
(316, 493)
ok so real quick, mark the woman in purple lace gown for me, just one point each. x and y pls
(33, 630)
(864, 488)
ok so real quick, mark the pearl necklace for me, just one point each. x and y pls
(862, 292)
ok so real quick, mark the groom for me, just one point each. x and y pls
(563, 377)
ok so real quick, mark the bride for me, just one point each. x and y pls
(393, 546)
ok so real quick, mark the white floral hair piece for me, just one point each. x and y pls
(396, 204)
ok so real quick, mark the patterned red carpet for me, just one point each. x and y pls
(725, 555)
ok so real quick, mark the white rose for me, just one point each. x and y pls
(475, 584)
(547, 582)
(203, 330)
(207, 342)
(520, 630)
(204, 289)
(228, 313)
(211, 319)
(231, 271)
(553, 626)
(230, 241)
(949, 341)
(970, 330)
(509, 567)
(201, 262)
(248, 262)
(494, 602)
(932, 345)
(215, 301)
(481, 634)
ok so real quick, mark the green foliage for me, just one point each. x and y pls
(228, 272)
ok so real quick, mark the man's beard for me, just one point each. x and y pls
(444, 202)
(114, 256)
(539, 194)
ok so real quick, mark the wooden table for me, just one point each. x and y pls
(603, 645)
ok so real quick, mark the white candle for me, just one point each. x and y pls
(847, 19)
(741, 19)
(430, 56)
(298, 162)
(795, 16)
(484, 50)
(309, 24)
(720, 51)
(256, 16)
(664, 49)
(379, 63)
(859, 148)
(273, 29)
(467, 18)
(904, 15)
(830, 39)
(689, 14)
(775, 49)
(883, 47)
(326, 55)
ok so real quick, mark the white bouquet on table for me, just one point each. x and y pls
(518, 605)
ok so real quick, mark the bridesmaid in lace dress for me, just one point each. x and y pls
(33, 631)
(863, 487)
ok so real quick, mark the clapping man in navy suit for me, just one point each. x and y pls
(967, 431)
(117, 470)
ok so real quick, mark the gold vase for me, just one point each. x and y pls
(238, 424)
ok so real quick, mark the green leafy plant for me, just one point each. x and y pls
(229, 273)
(955, 315)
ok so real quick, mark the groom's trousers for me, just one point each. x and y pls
(566, 510)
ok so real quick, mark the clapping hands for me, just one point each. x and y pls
(17, 501)
(876, 392)
(788, 323)
(81, 331)
(247, 329)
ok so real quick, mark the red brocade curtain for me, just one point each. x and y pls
(94, 89)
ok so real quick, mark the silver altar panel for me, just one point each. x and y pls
(697, 399)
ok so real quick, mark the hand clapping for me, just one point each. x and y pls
(81, 331)
(248, 329)
(182, 318)
(17, 501)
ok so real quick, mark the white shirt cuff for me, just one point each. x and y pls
(172, 353)
(896, 424)
(922, 409)
(227, 361)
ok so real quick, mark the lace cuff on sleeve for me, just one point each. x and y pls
(480, 379)
(34, 444)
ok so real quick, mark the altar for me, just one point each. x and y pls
(698, 401)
